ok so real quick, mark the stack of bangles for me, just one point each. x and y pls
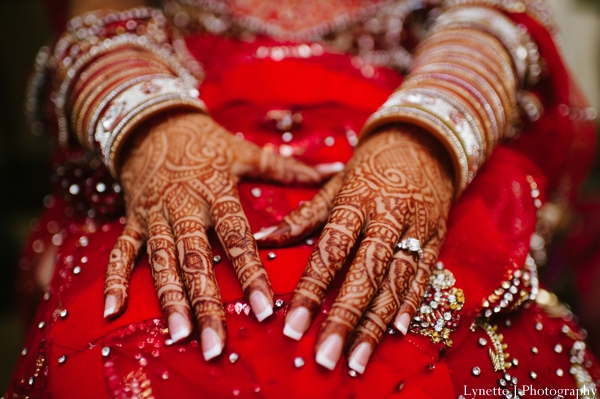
(463, 85)
(111, 71)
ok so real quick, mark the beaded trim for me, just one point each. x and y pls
(520, 286)
(372, 31)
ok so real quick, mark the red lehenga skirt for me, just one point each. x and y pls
(497, 335)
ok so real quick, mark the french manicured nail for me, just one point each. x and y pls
(330, 167)
(110, 305)
(360, 357)
(260, 305)
(296, 323)
(330, 351)
(402, 323)
(178, 327)
(264, 232)
(211, 343)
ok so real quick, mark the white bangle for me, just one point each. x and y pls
(132, 102)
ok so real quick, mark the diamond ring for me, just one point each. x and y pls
(411, 245)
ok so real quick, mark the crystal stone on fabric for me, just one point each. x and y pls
(438, 314)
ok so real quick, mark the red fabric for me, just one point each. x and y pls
(489, 231)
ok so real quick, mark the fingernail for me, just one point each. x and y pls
(264, 232)
(330, 351)
(110, 305)
(360, 357)
(296, 323)
(211, 343)
(402, 323)
(178, 327)
(260, 305)
(330, 167)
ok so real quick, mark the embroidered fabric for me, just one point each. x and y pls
(374, 31)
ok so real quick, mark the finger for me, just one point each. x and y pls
(403, 271)
(254, 161)
(360, 286)
(234, 232)
(188, 215)
(120, 265)
(418, 285)
(336, 242)
(303, 220)
(382, 310)
(167, 281)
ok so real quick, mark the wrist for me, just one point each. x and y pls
(169, 124)
(415, 138)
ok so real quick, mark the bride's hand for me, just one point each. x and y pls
(180, 176)
(397, 185)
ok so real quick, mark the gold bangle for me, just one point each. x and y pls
(79, 116)
(451, 112)
(143, 113)
(518, 43)
(99, 107)
(119, 63)
(476, 84)
(95, 67)
(483, 77)
(463, 106)
(466, 54)
(457, 84)
(485, 115)
(473, 39)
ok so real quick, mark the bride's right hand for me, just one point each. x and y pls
(179, 175)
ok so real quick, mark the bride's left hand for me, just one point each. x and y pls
(397, 185)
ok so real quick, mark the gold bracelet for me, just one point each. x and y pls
(460, 104)
(475, 40)
(458, 85)
(466, 55)
(140, 114)
(99, 107)
(485, 114)
(518, 43)
(96, 67)
(452, 113)
(484, 78)
(80, 115)
(475, 83)
(105, 47)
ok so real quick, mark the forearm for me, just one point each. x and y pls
(108, 73)
(463, 86)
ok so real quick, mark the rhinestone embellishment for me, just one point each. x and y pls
(438, 314)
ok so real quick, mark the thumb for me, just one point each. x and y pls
(304, 220)
(254, 161)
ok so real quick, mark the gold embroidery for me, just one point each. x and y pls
(138, 384)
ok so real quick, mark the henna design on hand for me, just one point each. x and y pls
(179, 176)
(399, 181)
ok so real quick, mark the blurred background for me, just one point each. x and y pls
(24, 158)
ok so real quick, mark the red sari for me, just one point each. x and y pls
(71, 351)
